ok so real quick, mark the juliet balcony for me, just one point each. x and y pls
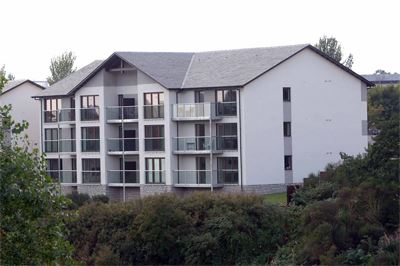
(61, 145)
(119, 114)
(62, 115)
(118, 146)
(63, 176)
(123, 177)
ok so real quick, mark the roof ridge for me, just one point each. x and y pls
(187, 71)
(253, 48)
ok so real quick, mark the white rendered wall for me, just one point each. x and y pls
(24, 107)
(326, 110)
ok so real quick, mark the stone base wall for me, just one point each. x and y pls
(117, 193)
(92, 189)
(152, 189)
(265, 189)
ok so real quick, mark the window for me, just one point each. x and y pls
(91, 170)
(286, 94)
(227, 136)
(89, 107)
(154, 105)
(228, 170)
(51, 107)
(288, 162)
(287, 129)
(90, 139)
(155, 170)
(154, 138)
(52, 169)
(51, 140)
(225, 102)
(199, 96)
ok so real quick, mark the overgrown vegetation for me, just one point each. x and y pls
(32, 231)
(351, 216)
(202, 228)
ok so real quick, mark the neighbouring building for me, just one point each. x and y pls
(383, 79)
(251, 120)
(19, 93)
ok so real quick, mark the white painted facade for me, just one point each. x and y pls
(24, 107)
(326, 111)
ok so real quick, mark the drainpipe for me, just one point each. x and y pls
(240, 141)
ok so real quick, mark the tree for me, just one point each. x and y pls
(4, 77)
(32, 231)
(332, 48)
(381, 71)
(61, 66)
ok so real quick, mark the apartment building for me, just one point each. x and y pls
(251, 120)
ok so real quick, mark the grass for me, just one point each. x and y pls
(277, 198)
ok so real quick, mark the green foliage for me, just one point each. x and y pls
(31, 210)
(383, 104)
(4, 77)
(201, 228)
(61, 66)
(331, 47)
(277, 198)
(79, 199)
(345, 217)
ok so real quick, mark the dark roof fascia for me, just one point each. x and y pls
(348, 70)
(29, 81)
(206, 88)
(51, 96)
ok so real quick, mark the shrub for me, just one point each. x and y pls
(202, 228)
(78, 199)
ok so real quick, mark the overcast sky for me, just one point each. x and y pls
(35, 31)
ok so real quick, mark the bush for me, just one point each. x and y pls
(202, 228)
(100, 198)
(78, 199)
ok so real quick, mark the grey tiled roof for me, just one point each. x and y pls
(15, 83)
(383, 78)
(235, 67)
(67, 84)
(230, 68)
(169, 69)
(12, 84)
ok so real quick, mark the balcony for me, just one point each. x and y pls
(91, 177)
(203, 111)
(90, 114)
(116, 177)
(62, 145)
(90, 145)
(117, 146)
(62, 115)
(155, 177)
(63, 176)
(195, 178)
(154, 144)
(227, 143)
(228, 176)
(226, 109)
(153, 111)
(119, 114)
(195, 145)
(193, 111)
